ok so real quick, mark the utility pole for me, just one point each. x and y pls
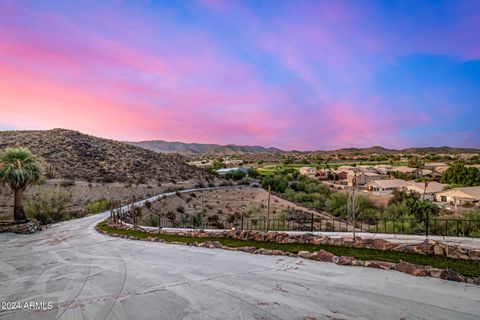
(203, 218)
(268, 205)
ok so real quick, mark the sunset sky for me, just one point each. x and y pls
(289, 74)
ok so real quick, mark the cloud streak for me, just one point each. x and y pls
(312, 75)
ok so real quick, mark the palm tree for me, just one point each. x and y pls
(19, 168)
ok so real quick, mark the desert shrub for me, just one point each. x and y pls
(236, 175)
(181, 209)
(153, 222)
(68, 182)
(48, 207)
(99, 205)
(170, 215)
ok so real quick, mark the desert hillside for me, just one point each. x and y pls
(71, 154)
(200, 148)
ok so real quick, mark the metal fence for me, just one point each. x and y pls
(440, 227)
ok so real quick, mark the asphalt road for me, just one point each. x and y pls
(87, 275)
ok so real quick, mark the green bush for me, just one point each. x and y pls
(99, 205)
(48, 207)
(337, 205)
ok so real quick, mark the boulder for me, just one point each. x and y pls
(381, 244)
(320, 240)
(474, 254)
(211, 244)
(304, 254)
(380, 264)
(344, 260)
(426, 247)
(278, 253)
(264, 251)
(336, 241)
(456, 253)
(448, 274)
(322, 255)
(247, 249)
(476, 281)
(435, 272)
(26, 227)
(412, 269)
(439, 250)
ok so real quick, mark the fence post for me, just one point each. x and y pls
(426, 225)
(311, 224)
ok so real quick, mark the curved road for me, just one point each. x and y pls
(87, 275)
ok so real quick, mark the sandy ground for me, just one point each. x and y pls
(87, 275)
(230, 202)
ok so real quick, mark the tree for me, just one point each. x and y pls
(458, 174)
(416, 162)
(19, 168)
(236, 175)
(352, 205)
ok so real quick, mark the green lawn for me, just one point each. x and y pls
(465, 267)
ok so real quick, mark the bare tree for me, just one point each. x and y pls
(352, 204)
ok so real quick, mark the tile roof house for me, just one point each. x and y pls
(385, 186)
(460, 196)
(419, 187)
(362, 178)
(308, 171)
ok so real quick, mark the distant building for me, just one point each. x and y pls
(460, 196)
(362, 178)
(385, 186)
(308, 171)
(434, 165)
(383, 168)
(341, 174)
(370, 169)
(403, 169)
(419, 187)
(345, 168)
(224, 171)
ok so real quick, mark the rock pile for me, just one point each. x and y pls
(427, 247)
(27, 227)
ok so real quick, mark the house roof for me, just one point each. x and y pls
(227, 170)
(404, 169)
(307, 168)
(384, 184)
(432, 187)
(465, 192)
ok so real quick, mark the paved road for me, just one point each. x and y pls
(87, 275)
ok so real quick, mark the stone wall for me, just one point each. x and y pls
(428, 247)
(30, 226)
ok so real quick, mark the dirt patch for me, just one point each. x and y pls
(227, 204)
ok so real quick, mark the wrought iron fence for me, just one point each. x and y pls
(440, 227)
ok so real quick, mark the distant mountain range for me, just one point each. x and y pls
(200, 148)
(231, 149)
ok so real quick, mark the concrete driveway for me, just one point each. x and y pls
(86, 275)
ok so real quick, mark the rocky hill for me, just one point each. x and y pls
(200, 148)
(71, 154)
